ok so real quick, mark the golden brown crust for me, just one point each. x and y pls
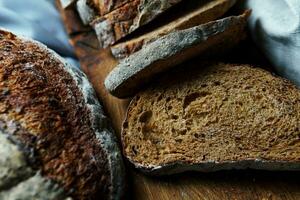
(40, 104)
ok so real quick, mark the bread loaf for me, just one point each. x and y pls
(55, 140)
(189, 14)
(134, 71)
(214, 117)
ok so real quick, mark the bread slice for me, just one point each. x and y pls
(127, 18)
(217, 116)
(136, 70)
(195, 13)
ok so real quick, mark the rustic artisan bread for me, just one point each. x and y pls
(55, 140)
(190, 14)
(136, 70)
(217, 116)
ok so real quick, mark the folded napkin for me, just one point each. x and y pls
(275, 28)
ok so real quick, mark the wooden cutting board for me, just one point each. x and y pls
(245, 184)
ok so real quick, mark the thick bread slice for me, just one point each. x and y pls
(124, 20)
(214, 117)
(51, 116)
(195, 14)
(136, 70)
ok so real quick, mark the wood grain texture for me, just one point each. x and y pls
(231, 185)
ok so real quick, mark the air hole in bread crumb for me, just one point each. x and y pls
(199, 135)
(125, 125)
(182, 132)
(174, 117)
(217, 83)
(178, 140)
(134, 150)
(168, 99)
(247, 87)
(145, 116)
(192, 97)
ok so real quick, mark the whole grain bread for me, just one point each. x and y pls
(213, 117)
(190, 14)
(127, 18)
(136, 70)
(55, 139)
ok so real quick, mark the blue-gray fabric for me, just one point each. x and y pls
(39, 20)
(274, 25)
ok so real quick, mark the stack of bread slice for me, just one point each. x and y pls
(113, 20)
(203, 116)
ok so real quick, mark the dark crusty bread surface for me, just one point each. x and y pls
(136, 70)
(189, 14)
(58, 140)
(91, 9)
(127, 18)
(105, 6)
(214, 117)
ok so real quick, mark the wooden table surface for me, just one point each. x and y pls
(245, 184)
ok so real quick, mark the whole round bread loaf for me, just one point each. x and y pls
(55, 141)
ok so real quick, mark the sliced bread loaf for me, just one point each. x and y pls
(191, 14)
(127, 18)
(137, 69)
(55, 140)
(214, 117)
